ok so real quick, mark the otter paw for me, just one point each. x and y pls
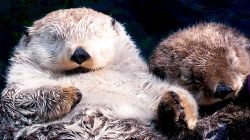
(68, 98)
(174, 113)
(73, 95)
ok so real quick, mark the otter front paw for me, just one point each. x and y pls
(68, 98)
(39, 105)
(176, 112)
(73, 95)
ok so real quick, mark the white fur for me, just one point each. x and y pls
(120, 80)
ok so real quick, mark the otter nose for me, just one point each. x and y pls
(222, 91)
(80, 55)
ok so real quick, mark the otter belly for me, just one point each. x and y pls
(124, 96)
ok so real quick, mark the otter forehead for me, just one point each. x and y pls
(212, 36)
(67, 39)
(73, 22)
(209, 44)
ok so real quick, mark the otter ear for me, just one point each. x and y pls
(25, 38)
(116, 26)
(113, 21)
(23, 42)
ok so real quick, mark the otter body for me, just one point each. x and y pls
(112, 96)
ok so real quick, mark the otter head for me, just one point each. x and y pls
(210, 60)
(73, 38)
(216, 75)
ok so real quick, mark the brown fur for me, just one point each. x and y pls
(198, 58)
(70, 96)
(201, 57)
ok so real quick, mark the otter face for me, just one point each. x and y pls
(73, 38)
(210, 60)
(214, 77)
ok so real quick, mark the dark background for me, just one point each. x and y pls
(147, 21)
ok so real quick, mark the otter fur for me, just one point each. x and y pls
(210, 60)
(78, 75)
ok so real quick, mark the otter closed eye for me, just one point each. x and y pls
(222, 91)
(210, 61)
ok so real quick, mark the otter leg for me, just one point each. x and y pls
(38, 105)
(178, 109)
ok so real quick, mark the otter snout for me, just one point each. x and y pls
(222, 91)
(80, 55)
